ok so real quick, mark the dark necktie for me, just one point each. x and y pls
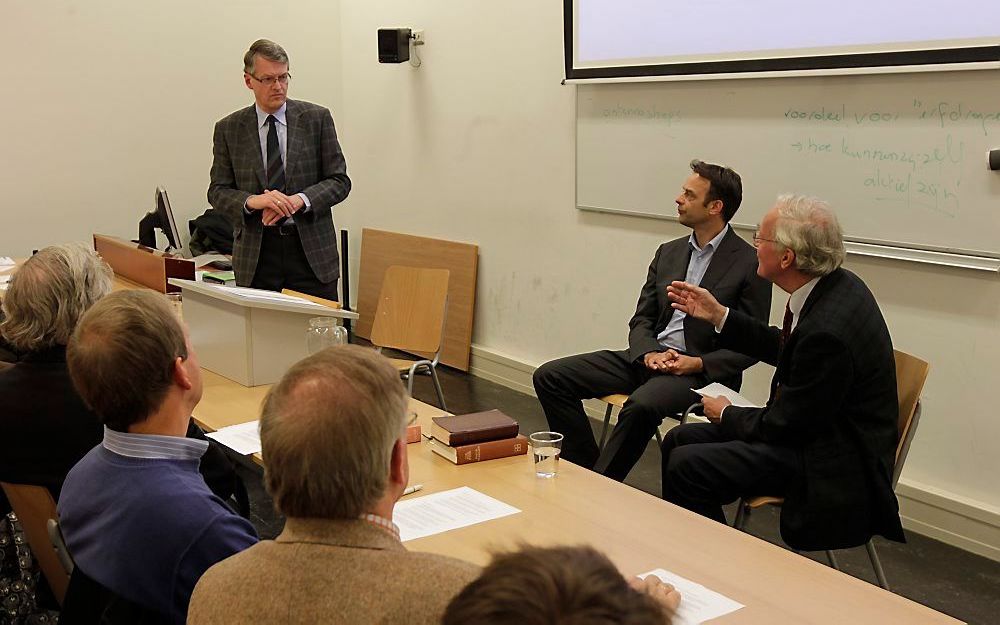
(275, 167)
(786, 325)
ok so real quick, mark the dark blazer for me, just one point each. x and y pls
(833, 396)
(44, 426)
(315, 167)
(731, 277)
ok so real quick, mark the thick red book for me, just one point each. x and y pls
(477, 452)
(475, 427)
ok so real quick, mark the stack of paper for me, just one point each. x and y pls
(447, 510)
(243, 438)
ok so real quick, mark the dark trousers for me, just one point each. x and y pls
(562, 384)
(283, 265)
(703, 469)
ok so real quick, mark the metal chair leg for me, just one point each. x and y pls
(876, 564)
(607, 422)
(437, 387)
(409, 379)
(742, 512)
(832, 559)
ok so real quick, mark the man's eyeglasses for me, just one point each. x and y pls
(757, 239)
(269, 81)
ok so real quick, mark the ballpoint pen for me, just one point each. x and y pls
(413, 489)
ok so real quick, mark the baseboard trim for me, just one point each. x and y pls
(964, 523)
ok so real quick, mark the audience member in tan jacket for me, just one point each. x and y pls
(333, 437)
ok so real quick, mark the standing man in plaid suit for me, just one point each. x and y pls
(277, 172)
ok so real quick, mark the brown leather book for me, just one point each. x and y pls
(475, 427)
(503, 448)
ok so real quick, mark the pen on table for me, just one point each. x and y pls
(413, 489)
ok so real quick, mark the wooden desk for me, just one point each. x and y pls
(638, 531)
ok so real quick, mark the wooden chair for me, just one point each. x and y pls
(35, 507)
(911, 373)
(410, 317)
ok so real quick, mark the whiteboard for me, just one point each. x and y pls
(901, 157)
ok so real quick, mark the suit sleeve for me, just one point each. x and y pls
(223, 193)
(755, 302)
(333, 185)
(642, 326)
(806, 404)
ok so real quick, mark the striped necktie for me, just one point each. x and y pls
(275, 167)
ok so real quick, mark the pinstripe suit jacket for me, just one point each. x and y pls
(327, 571)
(315, 166)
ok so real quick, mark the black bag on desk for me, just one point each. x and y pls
(211, 232)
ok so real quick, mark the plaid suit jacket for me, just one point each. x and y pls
(315, 167)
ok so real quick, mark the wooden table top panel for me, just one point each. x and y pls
(638, 531)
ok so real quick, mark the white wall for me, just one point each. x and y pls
(477, 145)
(102, 101)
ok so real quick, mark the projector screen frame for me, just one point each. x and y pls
(936, 59)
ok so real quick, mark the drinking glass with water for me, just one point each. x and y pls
(545, 448)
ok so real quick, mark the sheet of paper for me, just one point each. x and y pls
(718, 390)
(266, 296)
(698, 604)
(243, 438)
(6, 261)
(448, 510)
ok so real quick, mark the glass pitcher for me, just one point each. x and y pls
(324, 332)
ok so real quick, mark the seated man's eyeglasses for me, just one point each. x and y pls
(757, 239)
(270, 80)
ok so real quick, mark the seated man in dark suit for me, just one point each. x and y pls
(669, 353)
(137, 515)
(333, 433)
(826, 438)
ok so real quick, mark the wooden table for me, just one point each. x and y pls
(638, 531)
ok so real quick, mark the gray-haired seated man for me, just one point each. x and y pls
(334, 445)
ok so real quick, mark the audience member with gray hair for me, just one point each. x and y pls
(333, 438)
(826, 438)
(44, 426)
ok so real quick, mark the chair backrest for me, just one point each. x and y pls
(911, 373)
(34, 506)
(411, 309)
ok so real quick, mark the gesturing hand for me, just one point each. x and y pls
(696, 302)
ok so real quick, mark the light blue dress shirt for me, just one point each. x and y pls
(672, 336)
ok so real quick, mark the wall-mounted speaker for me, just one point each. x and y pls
(393, 45)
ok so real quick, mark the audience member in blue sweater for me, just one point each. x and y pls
(137, 516)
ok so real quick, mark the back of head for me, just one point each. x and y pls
(808, 227)
(552, 586)
(327, 431)
(264, 48)
(725, 185)
(49, 293)
(121, 357)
